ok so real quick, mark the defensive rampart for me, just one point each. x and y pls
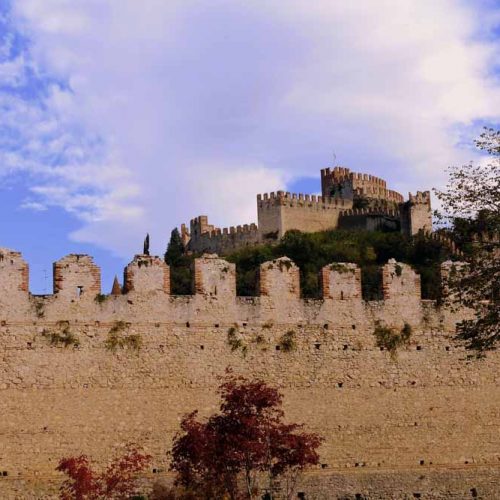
(83, 372)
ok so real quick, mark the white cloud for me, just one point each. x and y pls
(159, 111)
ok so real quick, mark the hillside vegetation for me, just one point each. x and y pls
(312, 251)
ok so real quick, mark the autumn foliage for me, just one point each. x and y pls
(242, 450)
(118, 481)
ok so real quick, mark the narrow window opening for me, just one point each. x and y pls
(301, 495)
(341, 294)
(354, 327)
(473, 492)
(202, 347)
(215, 290)
(187, 324)
(79, 291)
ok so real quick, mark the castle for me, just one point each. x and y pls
(83, 372)
(348, 200)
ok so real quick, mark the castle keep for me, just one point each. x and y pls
(348, 201)
(83, 372)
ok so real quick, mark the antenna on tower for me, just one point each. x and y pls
(45, 281)
(334, 157)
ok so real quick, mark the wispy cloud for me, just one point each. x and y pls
(135, 116)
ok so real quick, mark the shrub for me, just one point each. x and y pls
(119, 480)
(62, 337)
(100, 298)
(243, 447)
(287, 342)
(390, 339)
(118, 340)
(234, 341)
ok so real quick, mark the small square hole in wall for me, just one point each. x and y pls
(187, 324)
(358, 496)
(202, 347)
(29, 345)
(5, 473)
(381, 348)
(447, 347)
(301, 495)
(340, 385)
(345, 347)
(421, 462)
(244, 324)
(417, 495)
(473, 492)
(419, 348)
(317, 346)
(325, 326)
(353, 327)
(157, 325)
(4, 322)
(278, 348)
(324, 466)
(216, 325)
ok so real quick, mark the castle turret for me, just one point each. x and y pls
(416, 213)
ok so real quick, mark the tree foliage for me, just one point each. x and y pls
(246, 443)
(117, 481)
(180, 265)
(471, 205)
(312, 251)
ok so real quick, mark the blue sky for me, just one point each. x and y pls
(120, 117)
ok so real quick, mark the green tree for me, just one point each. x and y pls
(175, 248)
(471, 206)
(180, 265)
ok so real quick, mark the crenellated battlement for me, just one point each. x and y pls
(77, 280)
(318, 202)
(341, 182)
(423, 197)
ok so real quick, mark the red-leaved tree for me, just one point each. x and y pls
(245, 447)
(118, 481)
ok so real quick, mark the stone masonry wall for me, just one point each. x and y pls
(423, 422)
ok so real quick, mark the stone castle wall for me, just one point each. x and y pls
(425, 421)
